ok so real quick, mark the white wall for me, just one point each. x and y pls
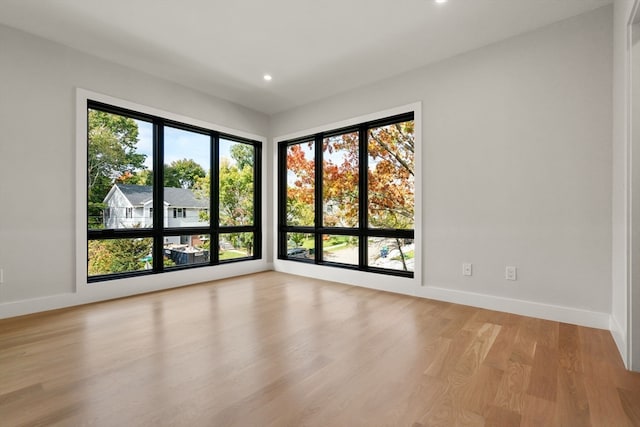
(634, 254)
(620, 178)
(38, 81)
(517, 168)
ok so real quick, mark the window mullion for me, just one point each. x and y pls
(282, 200)
(318, 220)
(158, 195)
(257, 200)
(214, 199)
(363, 208)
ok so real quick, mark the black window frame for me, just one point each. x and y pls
(318, 230)
(158, 232)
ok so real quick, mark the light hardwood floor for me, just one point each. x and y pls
(272, 349)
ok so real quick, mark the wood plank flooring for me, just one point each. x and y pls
(272, 349)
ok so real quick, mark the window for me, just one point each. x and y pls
(179, 213)
(201, 171)
(346, 197)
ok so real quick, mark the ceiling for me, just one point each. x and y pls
(313, 49)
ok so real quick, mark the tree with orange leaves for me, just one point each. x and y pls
(390, 180)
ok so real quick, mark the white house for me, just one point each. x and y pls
(132, 206)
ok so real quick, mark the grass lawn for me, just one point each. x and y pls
(334, 243)
(407, 255)
(231, 254)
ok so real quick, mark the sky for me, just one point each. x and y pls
(179, 144)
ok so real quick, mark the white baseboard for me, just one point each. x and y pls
(558, 313)
(37, 305)
(387, 283)
(620, 338)
(139, 285)
(404, 286)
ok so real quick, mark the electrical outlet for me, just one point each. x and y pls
(510, 273)
(467, 269)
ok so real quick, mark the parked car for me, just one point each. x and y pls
(297, 252)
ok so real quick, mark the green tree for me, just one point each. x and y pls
(202, 190)
(111, 153)
(297, 238)
(242, 240)
(243, 154)
(182, 173)
(299, 211)
(118, 255)
(236, 194)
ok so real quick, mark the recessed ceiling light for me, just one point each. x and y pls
(441, 1)
(267, 77)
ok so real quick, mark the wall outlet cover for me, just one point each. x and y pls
(467, 269)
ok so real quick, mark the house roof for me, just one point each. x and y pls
(184, 197)
(136, 194)
(180, 197)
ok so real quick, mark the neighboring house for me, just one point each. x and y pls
(130, 206)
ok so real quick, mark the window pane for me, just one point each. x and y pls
(340, 180)
(342, 249)
(186, 250)
(390, 253)
(300, 245)
(119, 256)
(120, 183)
(391, 176)
(236, 183)
(187, 172)
(300, 184)
(235, 245)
